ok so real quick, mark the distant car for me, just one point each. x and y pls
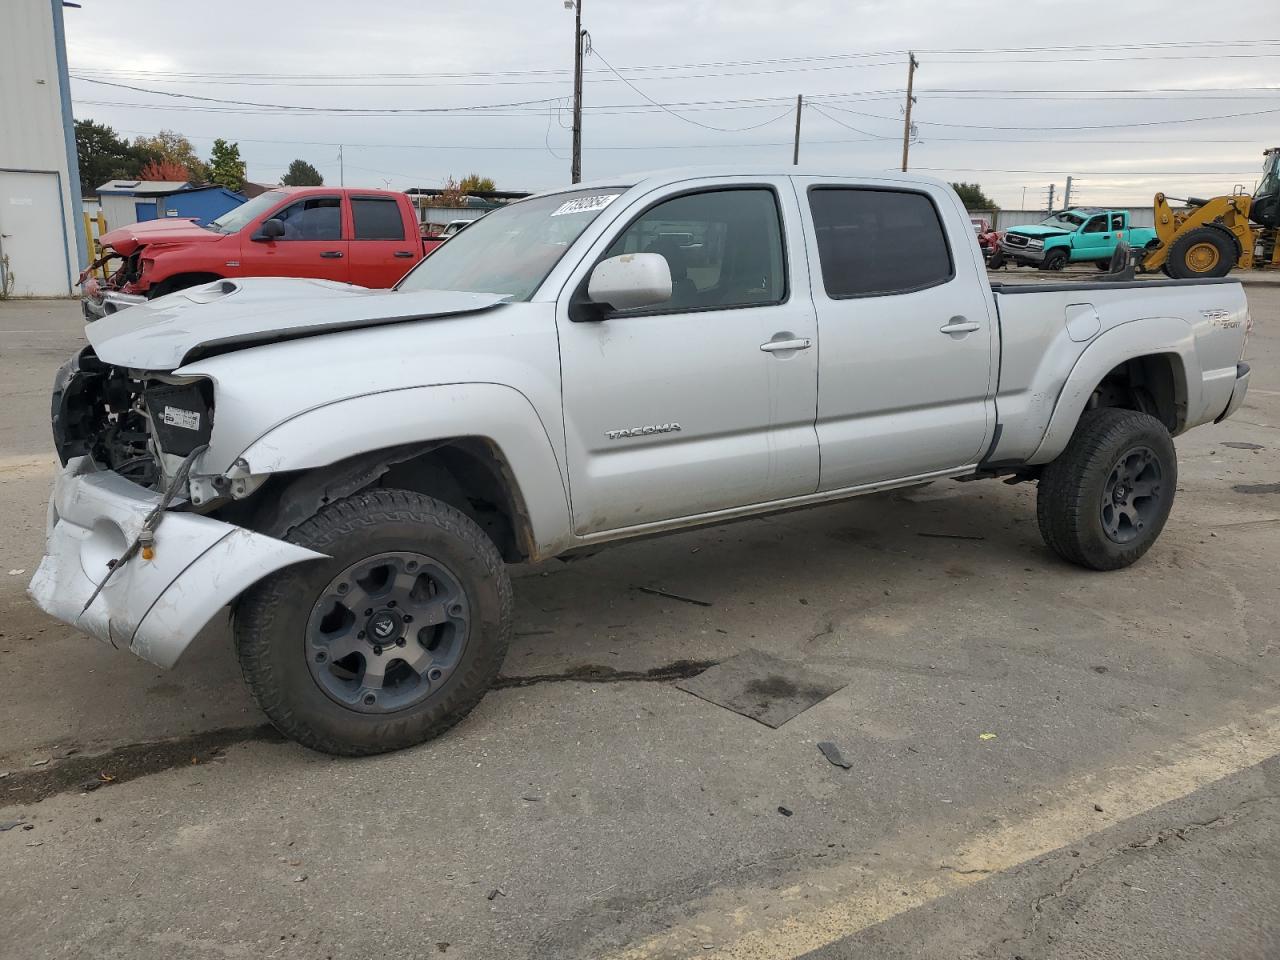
(1070, 236)
(988, 236)
(454, 227)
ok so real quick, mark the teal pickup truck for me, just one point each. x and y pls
(1070, 236)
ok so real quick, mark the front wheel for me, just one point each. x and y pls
(996, 260)
(1055, 260)
(1104, 501)
(390, 640)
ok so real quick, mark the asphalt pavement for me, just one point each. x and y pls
(1044, 762)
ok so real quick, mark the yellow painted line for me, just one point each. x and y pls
(855, 898)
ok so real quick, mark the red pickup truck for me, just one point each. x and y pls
(365, 237)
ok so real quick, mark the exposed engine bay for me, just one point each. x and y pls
(140, 425)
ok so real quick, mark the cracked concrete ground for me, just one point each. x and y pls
(619, 816)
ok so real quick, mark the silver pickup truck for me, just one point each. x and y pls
(350, 470)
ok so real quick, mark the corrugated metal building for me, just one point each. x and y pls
(134, 201)
(201, 204)
(41, 242)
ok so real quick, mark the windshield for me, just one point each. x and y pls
(234, 220)
(1270, 176)
(1066, 220)
(511, 250)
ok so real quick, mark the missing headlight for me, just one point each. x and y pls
(181, 415)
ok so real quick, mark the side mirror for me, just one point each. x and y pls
(630, 281)
(270, 230)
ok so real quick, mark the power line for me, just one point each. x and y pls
(1091, 126)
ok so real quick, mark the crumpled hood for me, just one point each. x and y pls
(1038, 230)
(165, 333)
(125, 240)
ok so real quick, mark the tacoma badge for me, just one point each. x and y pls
(643, 431)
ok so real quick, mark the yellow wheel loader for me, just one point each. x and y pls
(1212, 236)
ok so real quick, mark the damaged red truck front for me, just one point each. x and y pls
(368, 238)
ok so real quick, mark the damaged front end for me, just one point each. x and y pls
(128, 560)
(101, 297)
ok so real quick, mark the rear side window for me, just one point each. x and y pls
(877, 242)
(377, 219)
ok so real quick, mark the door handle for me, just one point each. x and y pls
(779, 346)
(960, 325)
(332, 255)
(404, 254)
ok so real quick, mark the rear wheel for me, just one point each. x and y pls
(1055, 260)
(389, 641)
(1202, 252)
(1104, 501)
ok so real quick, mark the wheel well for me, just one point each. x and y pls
(468, 473)
(471, 474)
(1152, 384)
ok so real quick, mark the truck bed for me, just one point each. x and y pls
(1046, 330)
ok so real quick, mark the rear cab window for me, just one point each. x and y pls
(377, 218)
(876, 242)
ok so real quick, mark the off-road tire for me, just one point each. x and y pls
(1069, 500)
(1054, 260)
(1218, 238)
(996, 260)
(270, 621)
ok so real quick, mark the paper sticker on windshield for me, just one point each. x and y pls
(586, 204)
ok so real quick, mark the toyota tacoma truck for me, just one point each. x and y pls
(1070, 236)
(365, 237)
(351, 470)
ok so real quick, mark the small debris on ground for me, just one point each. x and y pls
(9, 825)
(39, 763)
(1257, 488)
(986, 736)
(952, 536)
(1242, 445)
(90, 785)
(784, 811)
(531, 798)
(495, 893)
(300, 878)
(16, 573)
(833, 754)
(674, 596)
(442, 946)
(1097, 807)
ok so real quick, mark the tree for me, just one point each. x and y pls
(474, 183)
(102, 155)
(170, 146)
(160, 169)
(302, 174)
(973, 198)
(451, 195)
(226, 169)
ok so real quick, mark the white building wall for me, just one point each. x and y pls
(35, 124)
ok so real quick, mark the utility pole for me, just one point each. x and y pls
(795, 154)
(1024, 198)
(342, 175)
(1066, 195)
(576, 171)
(912, 63)
(1051, 188)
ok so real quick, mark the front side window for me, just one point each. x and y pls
(377, 219)
(877, 242)
(511, 250)
(1096, 225)
(724, 248)
(315, 218)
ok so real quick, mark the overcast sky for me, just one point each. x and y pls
(331, 54)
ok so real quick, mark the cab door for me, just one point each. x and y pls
(313, 244)
(1095, 240)
(906, 320)
(381, 249)
(704, 403)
